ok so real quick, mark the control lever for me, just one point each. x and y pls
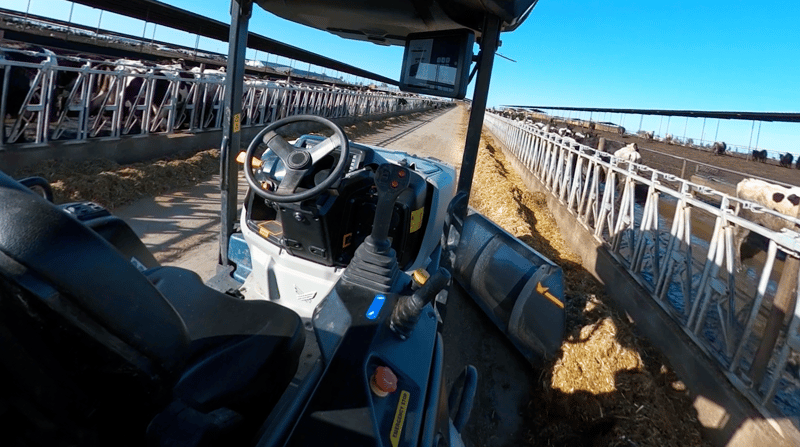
(374, 265)
(408, 309)
(391, 181)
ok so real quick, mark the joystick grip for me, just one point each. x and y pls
(391, 181)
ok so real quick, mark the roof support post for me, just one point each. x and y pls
(490, 38)
(241, 11)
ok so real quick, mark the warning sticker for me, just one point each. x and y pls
(545, 291)
(399, 418)
(237, 123)
(416, 220)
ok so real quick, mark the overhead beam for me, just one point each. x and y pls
(749, 116)
(162, 14)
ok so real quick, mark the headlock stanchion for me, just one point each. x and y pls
(653, 224)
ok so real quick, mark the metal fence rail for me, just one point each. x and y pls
(678, 240)
(46, 98)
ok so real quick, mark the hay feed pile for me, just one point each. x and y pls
(113, 185)
(607, 387)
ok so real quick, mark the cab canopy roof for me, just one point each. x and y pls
(388, 22)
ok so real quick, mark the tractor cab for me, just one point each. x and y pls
(312, 202)
(301, 224)
(323, 323)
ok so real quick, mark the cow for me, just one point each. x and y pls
(136, 77)
(26, 84)
(209, 95)
(647, 135)
(775, 197)
(629, 153)
(719, 148)
(786, 160)
(759, 155)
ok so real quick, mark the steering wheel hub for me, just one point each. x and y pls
(298, 160)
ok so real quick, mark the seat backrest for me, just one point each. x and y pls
(83, 266)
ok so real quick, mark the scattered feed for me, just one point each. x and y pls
(608, 387)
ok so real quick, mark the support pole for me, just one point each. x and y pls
(489, 42)
(783, 305)
(231, 129)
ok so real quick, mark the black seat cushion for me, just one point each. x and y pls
(239, 349)
(78, 262)
(216, 351)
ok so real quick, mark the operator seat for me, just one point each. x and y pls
(97, 351)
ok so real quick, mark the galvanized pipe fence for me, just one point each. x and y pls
(677, 239)
(75, 99)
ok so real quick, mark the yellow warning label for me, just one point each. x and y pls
(237, 123)
(416, 219)
(399, 418)
(544, 291)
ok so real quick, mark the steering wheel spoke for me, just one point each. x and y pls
(291, 180)
(324, 148)
(277, 144)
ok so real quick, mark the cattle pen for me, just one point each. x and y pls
(75, 107)
(676, 245)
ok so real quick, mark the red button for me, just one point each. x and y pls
(383, 381)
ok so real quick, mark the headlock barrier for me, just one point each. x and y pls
(52, 98)
(678, 241)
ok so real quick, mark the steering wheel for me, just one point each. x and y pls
(298, 161)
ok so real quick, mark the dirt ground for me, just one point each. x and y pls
(661, 156)
(113, 185)
(608, 387)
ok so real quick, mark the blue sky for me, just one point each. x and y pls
(711, 55)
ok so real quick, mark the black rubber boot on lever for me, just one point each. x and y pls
(408, 309)
(374, 264)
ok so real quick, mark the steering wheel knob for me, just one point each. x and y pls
(298, 160)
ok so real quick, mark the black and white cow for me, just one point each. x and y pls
(21, 79)
(165, 85)
(719, 148)
(26, 84)
(209, 93)
(775, 197)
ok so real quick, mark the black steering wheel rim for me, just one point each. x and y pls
(334, 175)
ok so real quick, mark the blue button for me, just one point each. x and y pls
(375, 307)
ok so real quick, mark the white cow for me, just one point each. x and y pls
(629, 153)
(775, 197)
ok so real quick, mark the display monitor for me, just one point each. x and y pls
(438, 63)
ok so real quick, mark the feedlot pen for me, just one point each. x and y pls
(675, 240)
(624, 392)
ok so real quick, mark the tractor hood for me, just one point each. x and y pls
(388, 22)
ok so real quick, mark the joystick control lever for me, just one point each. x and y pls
(408, 309)
(391, 181)
(374, 265)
